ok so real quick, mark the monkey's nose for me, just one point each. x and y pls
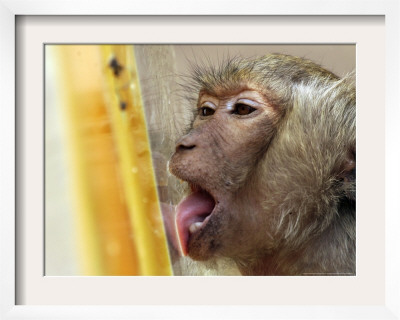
(185, 144)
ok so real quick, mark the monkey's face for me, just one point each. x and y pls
(230, 134)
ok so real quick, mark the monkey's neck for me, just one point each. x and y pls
(330, 253)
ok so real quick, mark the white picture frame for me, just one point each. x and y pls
(9, 178)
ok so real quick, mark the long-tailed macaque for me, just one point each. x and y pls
(270, 167)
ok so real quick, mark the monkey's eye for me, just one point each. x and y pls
(206, 111)
(243, 109)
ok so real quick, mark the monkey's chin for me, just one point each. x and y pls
(192, 214)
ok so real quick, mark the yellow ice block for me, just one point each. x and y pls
(118, 212)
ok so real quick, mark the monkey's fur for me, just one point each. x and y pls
(282, 175)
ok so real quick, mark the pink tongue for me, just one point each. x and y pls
(194, 208)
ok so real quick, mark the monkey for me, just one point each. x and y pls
(269, 163)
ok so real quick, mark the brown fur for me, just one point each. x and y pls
(283, 176)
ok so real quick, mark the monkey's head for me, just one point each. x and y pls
(263, 156)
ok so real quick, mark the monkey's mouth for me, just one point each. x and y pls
(192, 214)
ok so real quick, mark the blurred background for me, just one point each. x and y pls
(112, 116)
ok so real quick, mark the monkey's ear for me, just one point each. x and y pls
(348, 175)
(348, 169)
